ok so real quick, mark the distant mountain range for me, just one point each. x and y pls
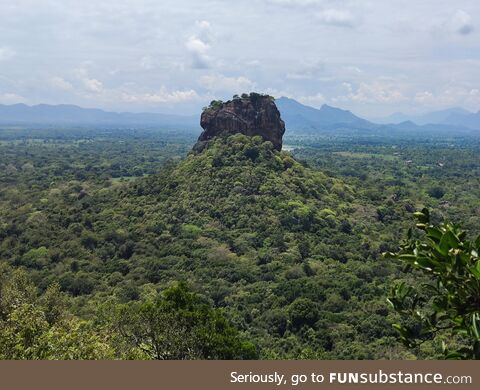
(469, 120)
(305, 119)
(299, 119)
(64, 114)
(455, 116)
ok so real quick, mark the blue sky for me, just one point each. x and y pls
(373, 57)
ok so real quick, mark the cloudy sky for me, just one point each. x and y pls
(374, 57)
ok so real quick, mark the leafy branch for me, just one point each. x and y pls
(450, 300)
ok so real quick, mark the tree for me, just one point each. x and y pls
(33, 327)
(303, 311)
(176, 325)
(436, 192)
(447, 302)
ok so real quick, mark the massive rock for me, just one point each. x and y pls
(250, 115)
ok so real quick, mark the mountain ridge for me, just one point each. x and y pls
(69, 114)
(449, 116)
(301, 117)
(471, 120)
(298, 118)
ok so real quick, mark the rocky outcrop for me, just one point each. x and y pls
(250, 115)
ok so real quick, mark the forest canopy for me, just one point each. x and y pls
(271, 255)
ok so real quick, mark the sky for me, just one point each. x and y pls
(373, 57)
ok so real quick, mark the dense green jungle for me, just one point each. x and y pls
(123, 244)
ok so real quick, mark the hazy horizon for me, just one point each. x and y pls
(380, 119)
(373, 58)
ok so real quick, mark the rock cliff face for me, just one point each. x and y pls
(250, 115)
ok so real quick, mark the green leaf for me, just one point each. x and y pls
(423, 216)
(408, 257)
(448, 241)
(454, 356)
(390, 303)
(434, 233)
(442, 251)
(430, 288)
(425, 263)
(475, 271)
(476, 325)
(402, 330)
(459, 330)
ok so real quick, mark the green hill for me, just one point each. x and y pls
(270, 242)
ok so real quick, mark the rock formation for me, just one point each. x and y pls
(250, 115)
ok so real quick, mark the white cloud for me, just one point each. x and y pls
(198, 52)
(221, 83)
(198, 45)
(312, 100)
(162, 96)
(253, 63)
(295, 3)
(308, 71)
(335, 17)
(203, 24)
(147, 63)
(61, 84)
(90, 84)
(93, 89)
(461, 23)
(424, 97)
(378, 91)
(11, 98)
(204, 30)
(450, 96)
(353, 69)
(93, 85)
(6, 53)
